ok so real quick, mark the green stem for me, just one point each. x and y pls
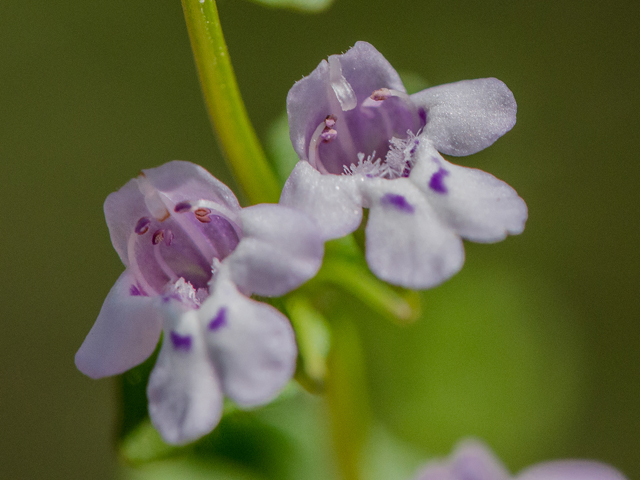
(358, 281)
(238, 139)
(347, 398)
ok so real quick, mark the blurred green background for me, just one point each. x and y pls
(534, 346)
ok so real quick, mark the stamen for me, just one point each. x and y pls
(342, 89)
(328, 135)
(202, 214)
(152, 199)
(330, 121)
(158, 236)
(168, 238)
(182, 207)
(381, 94)
(142, 226)
(378, 96)
(325, 133)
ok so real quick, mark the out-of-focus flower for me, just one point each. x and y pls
(473, 460)
(192, 257)
(364, 142)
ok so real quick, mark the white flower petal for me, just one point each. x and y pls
(333, 201)
(124, 335)
(570, 470)
(281, 248)
(406, 242)
(185, 398)
(252, 344)
(475, 204)
(468, 116)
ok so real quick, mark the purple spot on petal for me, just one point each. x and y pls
(422, 113)
(182, 207)
(220, 320)
(142, 226)
(437, 181)
(136, 291)
(181, 342)
(172, 296)
(398, 202)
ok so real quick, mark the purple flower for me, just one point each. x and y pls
(364, 142)
(192, 258)
(472, 460)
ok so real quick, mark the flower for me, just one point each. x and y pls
(364, 142)
(192, 258)
(472, 460)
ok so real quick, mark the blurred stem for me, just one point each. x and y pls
(347, 397)
(357, 280)
(238, 139)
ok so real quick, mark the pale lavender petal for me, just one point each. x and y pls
(184, 181)
(475, 204)
(468, 116)
(333, 202)
(281, 248)
(471, 460)
(570, 470)
(124, 335)
(252, 344)
(185, 398)
(311, 99)
(124, 211)
(406, 243)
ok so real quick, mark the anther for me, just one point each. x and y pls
(168, 237)
(142, 226)
(202, 214)
(328, 135)
(182, 207)
(158, 236)
(330, 121)
(381, 94)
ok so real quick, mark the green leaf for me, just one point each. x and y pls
(307, 6)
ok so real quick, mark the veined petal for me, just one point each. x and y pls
(475, 204)
(185, 398)
(570, 470)
(281, 248)
(406, 242)
(468, 116)
(124, 335)
(311, 99)
(333, 201)
(252, 344)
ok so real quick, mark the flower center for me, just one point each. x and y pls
(179, 241)
(371, 133)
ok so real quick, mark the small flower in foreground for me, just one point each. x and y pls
(192, 257)
(364, 142)
(472, 460)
